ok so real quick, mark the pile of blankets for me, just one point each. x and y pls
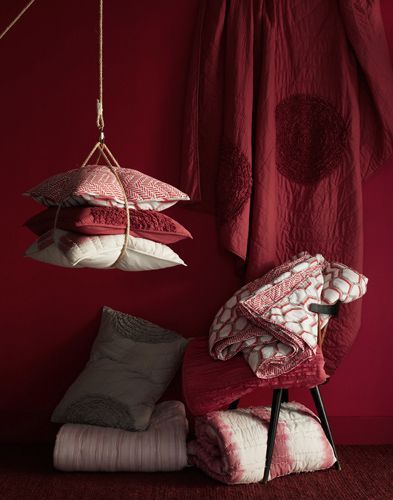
(229, 446)
(162, 447)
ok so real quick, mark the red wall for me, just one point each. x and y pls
(48, 88)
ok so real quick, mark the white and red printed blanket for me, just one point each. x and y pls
(269, 320)
(230, 446)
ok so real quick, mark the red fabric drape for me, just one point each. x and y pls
(290, 107)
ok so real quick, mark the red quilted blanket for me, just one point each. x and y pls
(210, 385)
(290, 107)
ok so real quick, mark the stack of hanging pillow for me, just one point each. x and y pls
(112, 421)
(85, 221)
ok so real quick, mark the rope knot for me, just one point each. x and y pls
(100, 114)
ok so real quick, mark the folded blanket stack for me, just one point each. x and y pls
(89, 229)
(162, 447)
(230, 446)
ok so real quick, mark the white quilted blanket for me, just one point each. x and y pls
(231, 445)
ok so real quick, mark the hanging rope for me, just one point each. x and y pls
(102, 149)
(100, 100)
(16, 19)
(100, 146)
(123, 250)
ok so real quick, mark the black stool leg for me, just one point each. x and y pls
(324, 421)
(234, 405)
(285, 396)
(271, 434)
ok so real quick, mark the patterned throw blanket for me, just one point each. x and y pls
(231, 445)
(269, 319)
(162, 447)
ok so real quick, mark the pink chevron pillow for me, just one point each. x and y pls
(97, 185)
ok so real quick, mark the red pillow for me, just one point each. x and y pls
(148, 224)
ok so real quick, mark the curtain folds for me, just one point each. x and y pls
(289, 108)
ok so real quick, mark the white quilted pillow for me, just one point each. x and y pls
(67, 249)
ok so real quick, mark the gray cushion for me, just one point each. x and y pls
(131, 363)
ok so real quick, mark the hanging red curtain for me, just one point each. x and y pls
(289, 109)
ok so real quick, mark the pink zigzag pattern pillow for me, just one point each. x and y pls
(97, 185)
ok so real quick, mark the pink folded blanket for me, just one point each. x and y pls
(269, 319)
(162, 447)
(231, 445)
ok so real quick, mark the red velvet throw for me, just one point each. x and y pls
(210, 384)
(289, 109)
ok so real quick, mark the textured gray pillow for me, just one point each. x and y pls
(131, 363)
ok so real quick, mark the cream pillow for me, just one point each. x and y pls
(67, 249)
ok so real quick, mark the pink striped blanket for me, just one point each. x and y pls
(231, 445)
(162, 447)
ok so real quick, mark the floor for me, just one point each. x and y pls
(26, 473)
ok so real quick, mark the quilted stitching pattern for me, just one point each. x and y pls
(231, 445)
(209, 384)
(162, 447)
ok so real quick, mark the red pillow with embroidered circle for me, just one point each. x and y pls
(91, 220)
